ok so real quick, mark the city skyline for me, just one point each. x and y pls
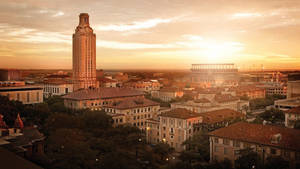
(150, 35)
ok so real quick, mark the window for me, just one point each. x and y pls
(286, 154)
(226, 141)
(236, 144)
(216, 149)
(273, 151)
(216, 140)
(37, 96)
(164, 128)
(172, 130)
(225, 150)
(67, 90)
(28, 97)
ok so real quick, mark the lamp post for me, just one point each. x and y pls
(136, 150)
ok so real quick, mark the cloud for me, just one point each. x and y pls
(133, 26)
(121, 45)
(59, 13)
(245, 15)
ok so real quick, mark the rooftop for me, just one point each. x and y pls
(180, 113)
(102, 93)
(130, 103)
(217, 116)
(226, 98)
(295, 110)
(261, 134)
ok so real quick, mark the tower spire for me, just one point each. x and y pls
(84, 19)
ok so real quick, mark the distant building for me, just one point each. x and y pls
(250, 91)
(287, 104)
(57, 88)
(167, 94)
(145, 86)
(274, 88)
(10, 75)
(291, 116)
(95, 99)
(293, 89)
(27, 94)
(266, 140)
(84, 55)
(210, 102)
(106, 82)
(207, 75)
(133, 111)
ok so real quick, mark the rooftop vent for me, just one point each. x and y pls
(276, 138)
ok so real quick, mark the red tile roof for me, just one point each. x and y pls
(225, 98)
(169, 90)
(180, 113)
(295, 110)
(221, 115)
(202, 100)
(105, 80)
(102, 93)
(130, 103)
(261, 134)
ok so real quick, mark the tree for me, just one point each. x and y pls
(197, 147)
(69, 149)
(276, 162)
(247, 160)
(297, 124)
(274, 116)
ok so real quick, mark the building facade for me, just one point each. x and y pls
(293, 89)
(287, 104)
(172, 127)
(57, 88)
(207, 75)
(132, 111)
(291, 117)
(95, 99)
(18, 91)
(84, 54)
(167, 94)
(266, 140)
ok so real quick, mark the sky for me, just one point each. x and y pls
(153, 34)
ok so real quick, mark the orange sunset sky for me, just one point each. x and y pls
(153, 34)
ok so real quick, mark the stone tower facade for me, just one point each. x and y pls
(84, 55)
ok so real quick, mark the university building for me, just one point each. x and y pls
(84, 55)
(133, 111)
(96, 98)
(266, 140)
(19, 91)
(208, 75)
(57, 88)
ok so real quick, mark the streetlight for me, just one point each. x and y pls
(136, 150)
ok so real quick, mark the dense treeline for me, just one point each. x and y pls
(85, 139)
